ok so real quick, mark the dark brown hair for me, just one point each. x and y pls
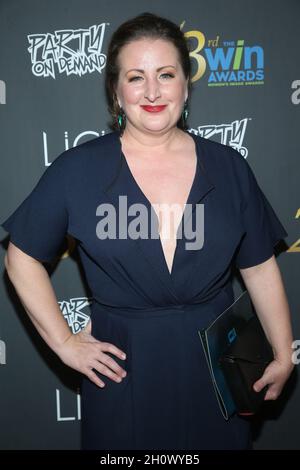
(145, 25)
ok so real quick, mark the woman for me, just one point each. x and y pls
(151, 293)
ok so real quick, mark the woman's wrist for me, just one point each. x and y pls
(58, 346)
(284, 356)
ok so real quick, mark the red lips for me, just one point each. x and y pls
(154, 109)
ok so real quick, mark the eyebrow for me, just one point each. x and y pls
(142, 71)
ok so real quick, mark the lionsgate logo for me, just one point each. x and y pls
(115, 222)
(69, 51)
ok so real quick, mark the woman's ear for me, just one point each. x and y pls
(118, 101)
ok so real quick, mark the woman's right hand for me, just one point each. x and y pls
(84, 353)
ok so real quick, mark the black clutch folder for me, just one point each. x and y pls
(237, 353)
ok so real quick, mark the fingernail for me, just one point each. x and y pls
(123, 356)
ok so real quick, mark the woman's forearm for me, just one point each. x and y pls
(266, 289)
(35, 291)
(82, 351)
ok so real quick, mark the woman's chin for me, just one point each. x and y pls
(156, 127)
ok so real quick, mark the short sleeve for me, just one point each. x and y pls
(39, 224)
(262, 227)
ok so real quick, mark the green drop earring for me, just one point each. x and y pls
(121, 119)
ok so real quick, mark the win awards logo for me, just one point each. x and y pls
(225, 63)
(234, 63)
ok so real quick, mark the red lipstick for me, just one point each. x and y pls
(154, 109)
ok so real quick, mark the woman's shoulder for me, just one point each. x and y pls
(215, 148)
(218, 156)
(90, 147)
(84, 155)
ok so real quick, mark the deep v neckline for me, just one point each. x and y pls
(150, 205)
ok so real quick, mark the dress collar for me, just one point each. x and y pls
(123, 183)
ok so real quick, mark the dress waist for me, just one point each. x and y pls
(218, 301)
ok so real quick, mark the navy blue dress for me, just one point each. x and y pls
(166, 400)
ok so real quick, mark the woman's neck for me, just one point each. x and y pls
(145, 142)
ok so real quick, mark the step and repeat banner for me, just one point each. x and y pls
(246, 94)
